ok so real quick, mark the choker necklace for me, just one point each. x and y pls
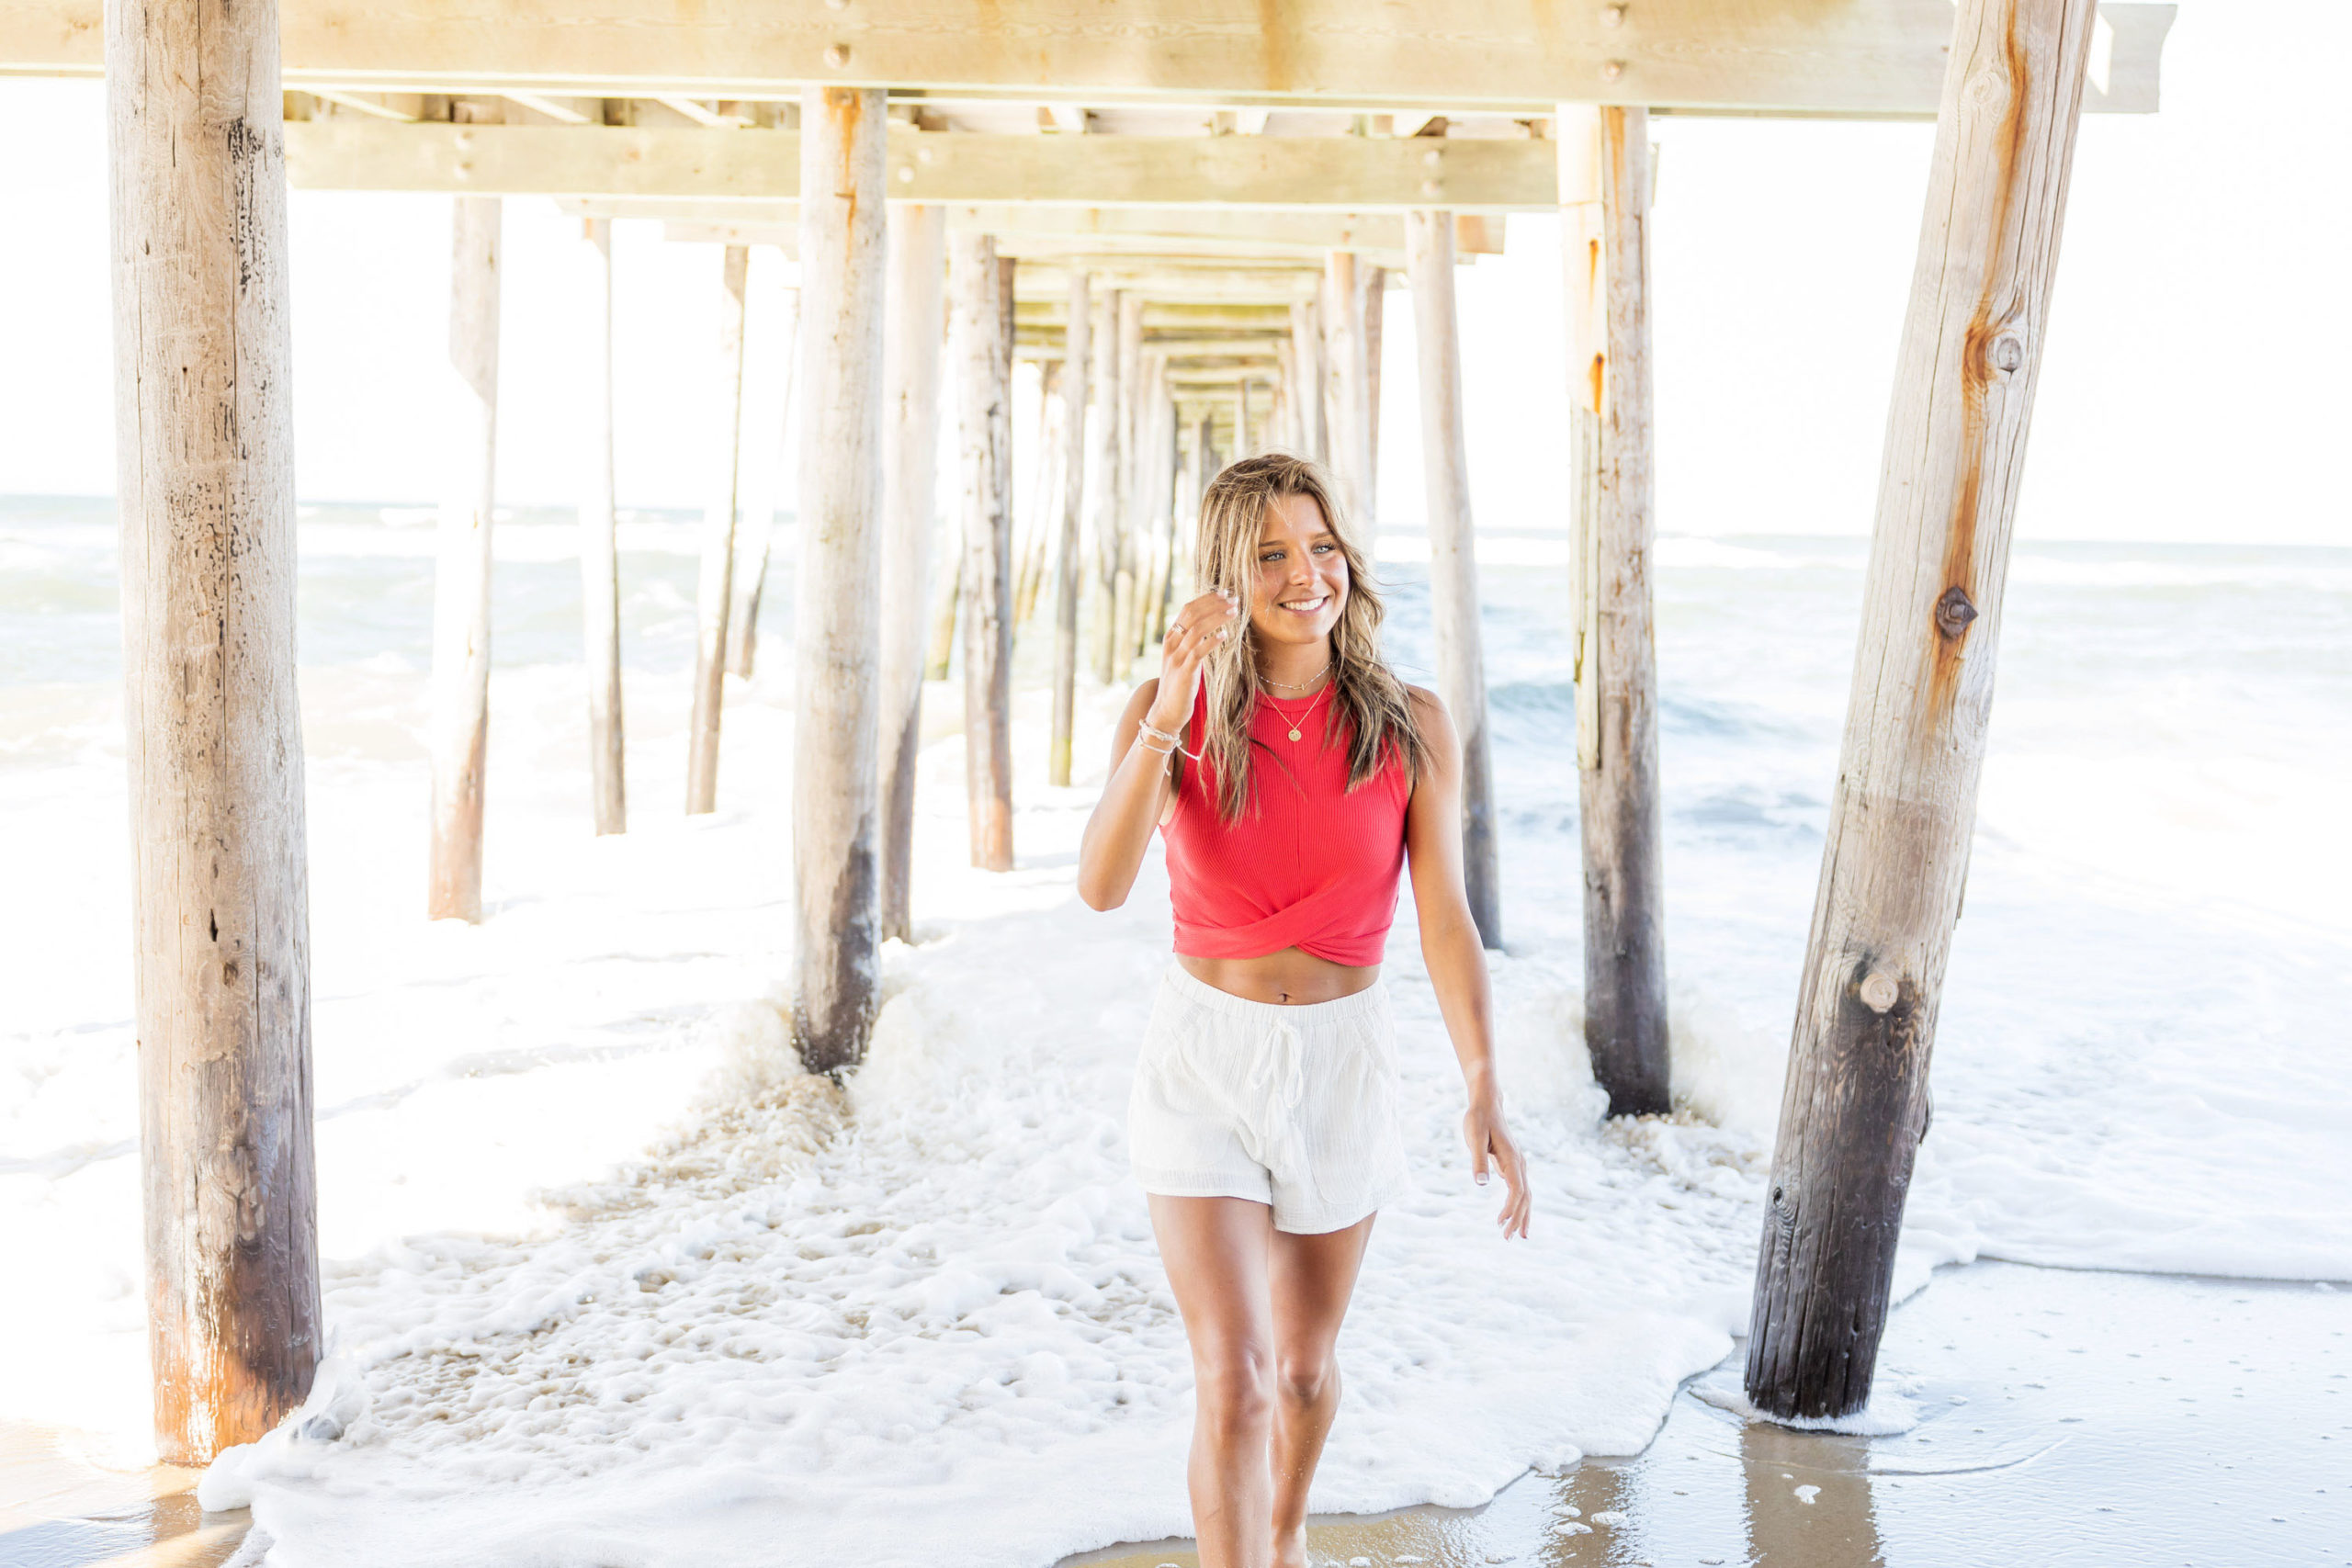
(1297, 686)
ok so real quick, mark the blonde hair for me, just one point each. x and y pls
(1378, 709)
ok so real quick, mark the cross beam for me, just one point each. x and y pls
(1864, 57)
(1327, 173)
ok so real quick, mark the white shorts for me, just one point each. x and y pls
(1294, 1107)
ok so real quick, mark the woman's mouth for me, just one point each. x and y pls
(1307, 606)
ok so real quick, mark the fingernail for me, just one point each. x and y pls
(1482, 1180)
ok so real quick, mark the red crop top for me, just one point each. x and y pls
(1314, 865)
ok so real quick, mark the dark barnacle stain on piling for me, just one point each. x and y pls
(1954, 611)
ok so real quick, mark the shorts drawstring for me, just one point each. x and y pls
(1277, 1083)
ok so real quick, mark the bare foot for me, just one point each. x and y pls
(1290, 1551)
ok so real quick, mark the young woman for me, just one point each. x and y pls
(1293, 776)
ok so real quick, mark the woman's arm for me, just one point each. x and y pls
(1139, 788)
(1455, 958)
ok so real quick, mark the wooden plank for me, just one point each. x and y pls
(1904, 806)
(1327, 174)
(917, 312)
(600, 584)
(714, 595)
(1453, 561)
(1849, 57)
(204, 453)
(1073, 501)
(1625, 926)
(752, 572)
(460, 716)
(983, 374)
(836, 629)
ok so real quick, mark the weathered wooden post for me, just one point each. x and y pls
(716, 597)
(600, 580)
(1376, 294)
(916, 312)
(1453, 560)
(1037, 537)
(751, 569)
(1856, 1102)
(1241, 418)
(1307, 371)
(1126, 598)
(1344, 366)
(1105, 488)
(204, 458)
(461, 572)
(1605, 184)
(1076, 344)
(983, 372)
(836, 622)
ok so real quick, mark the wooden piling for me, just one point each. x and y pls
(1454, 562)
(916, 311)
(600, 585)
(1904, 804)
(460, 715)
(1344, 380)
(1376, 294)
(983, 372)
(1078, 344)
(1125, 597)
(204, 462)
(1104, 487)
(716, 596)
(1605, 153)
(752, 566)
(836, 622)
(1307, 370)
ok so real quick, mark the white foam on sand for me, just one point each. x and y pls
(827, 1328)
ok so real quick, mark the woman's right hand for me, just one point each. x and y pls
(1200, 628)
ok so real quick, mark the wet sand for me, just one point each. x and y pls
(2066, 1418)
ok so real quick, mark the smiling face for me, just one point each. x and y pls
(1301, 583)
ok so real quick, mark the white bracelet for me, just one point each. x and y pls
(1175, 742)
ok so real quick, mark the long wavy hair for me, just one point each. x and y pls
(1380, 721)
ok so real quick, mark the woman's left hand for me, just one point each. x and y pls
(1490, 1145)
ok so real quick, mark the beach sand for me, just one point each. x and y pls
(2055, 1417)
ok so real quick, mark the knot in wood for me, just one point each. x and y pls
(2006, 353)
(1880, 992)
(1613, 15)
(1953, 611)
(837, 55)
(1613, 70)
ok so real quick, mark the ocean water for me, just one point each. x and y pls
(606, 1279)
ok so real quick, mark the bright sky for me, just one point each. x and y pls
(2195, 388)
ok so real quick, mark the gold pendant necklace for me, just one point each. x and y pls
(1301, 718)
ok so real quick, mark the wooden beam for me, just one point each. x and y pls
(1904, 807)
(1202, 228)
(714, 595)
(836, 632)
(220, 877)
(1453, 561)
(916, 309)
(1346, 378)
(1324, 174)
(600, 587)
(1076, 351)
(1624, 927)
(460, 716)
(1866, 58)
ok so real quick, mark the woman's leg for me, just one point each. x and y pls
(1217, 1251)
(1310, 1281)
